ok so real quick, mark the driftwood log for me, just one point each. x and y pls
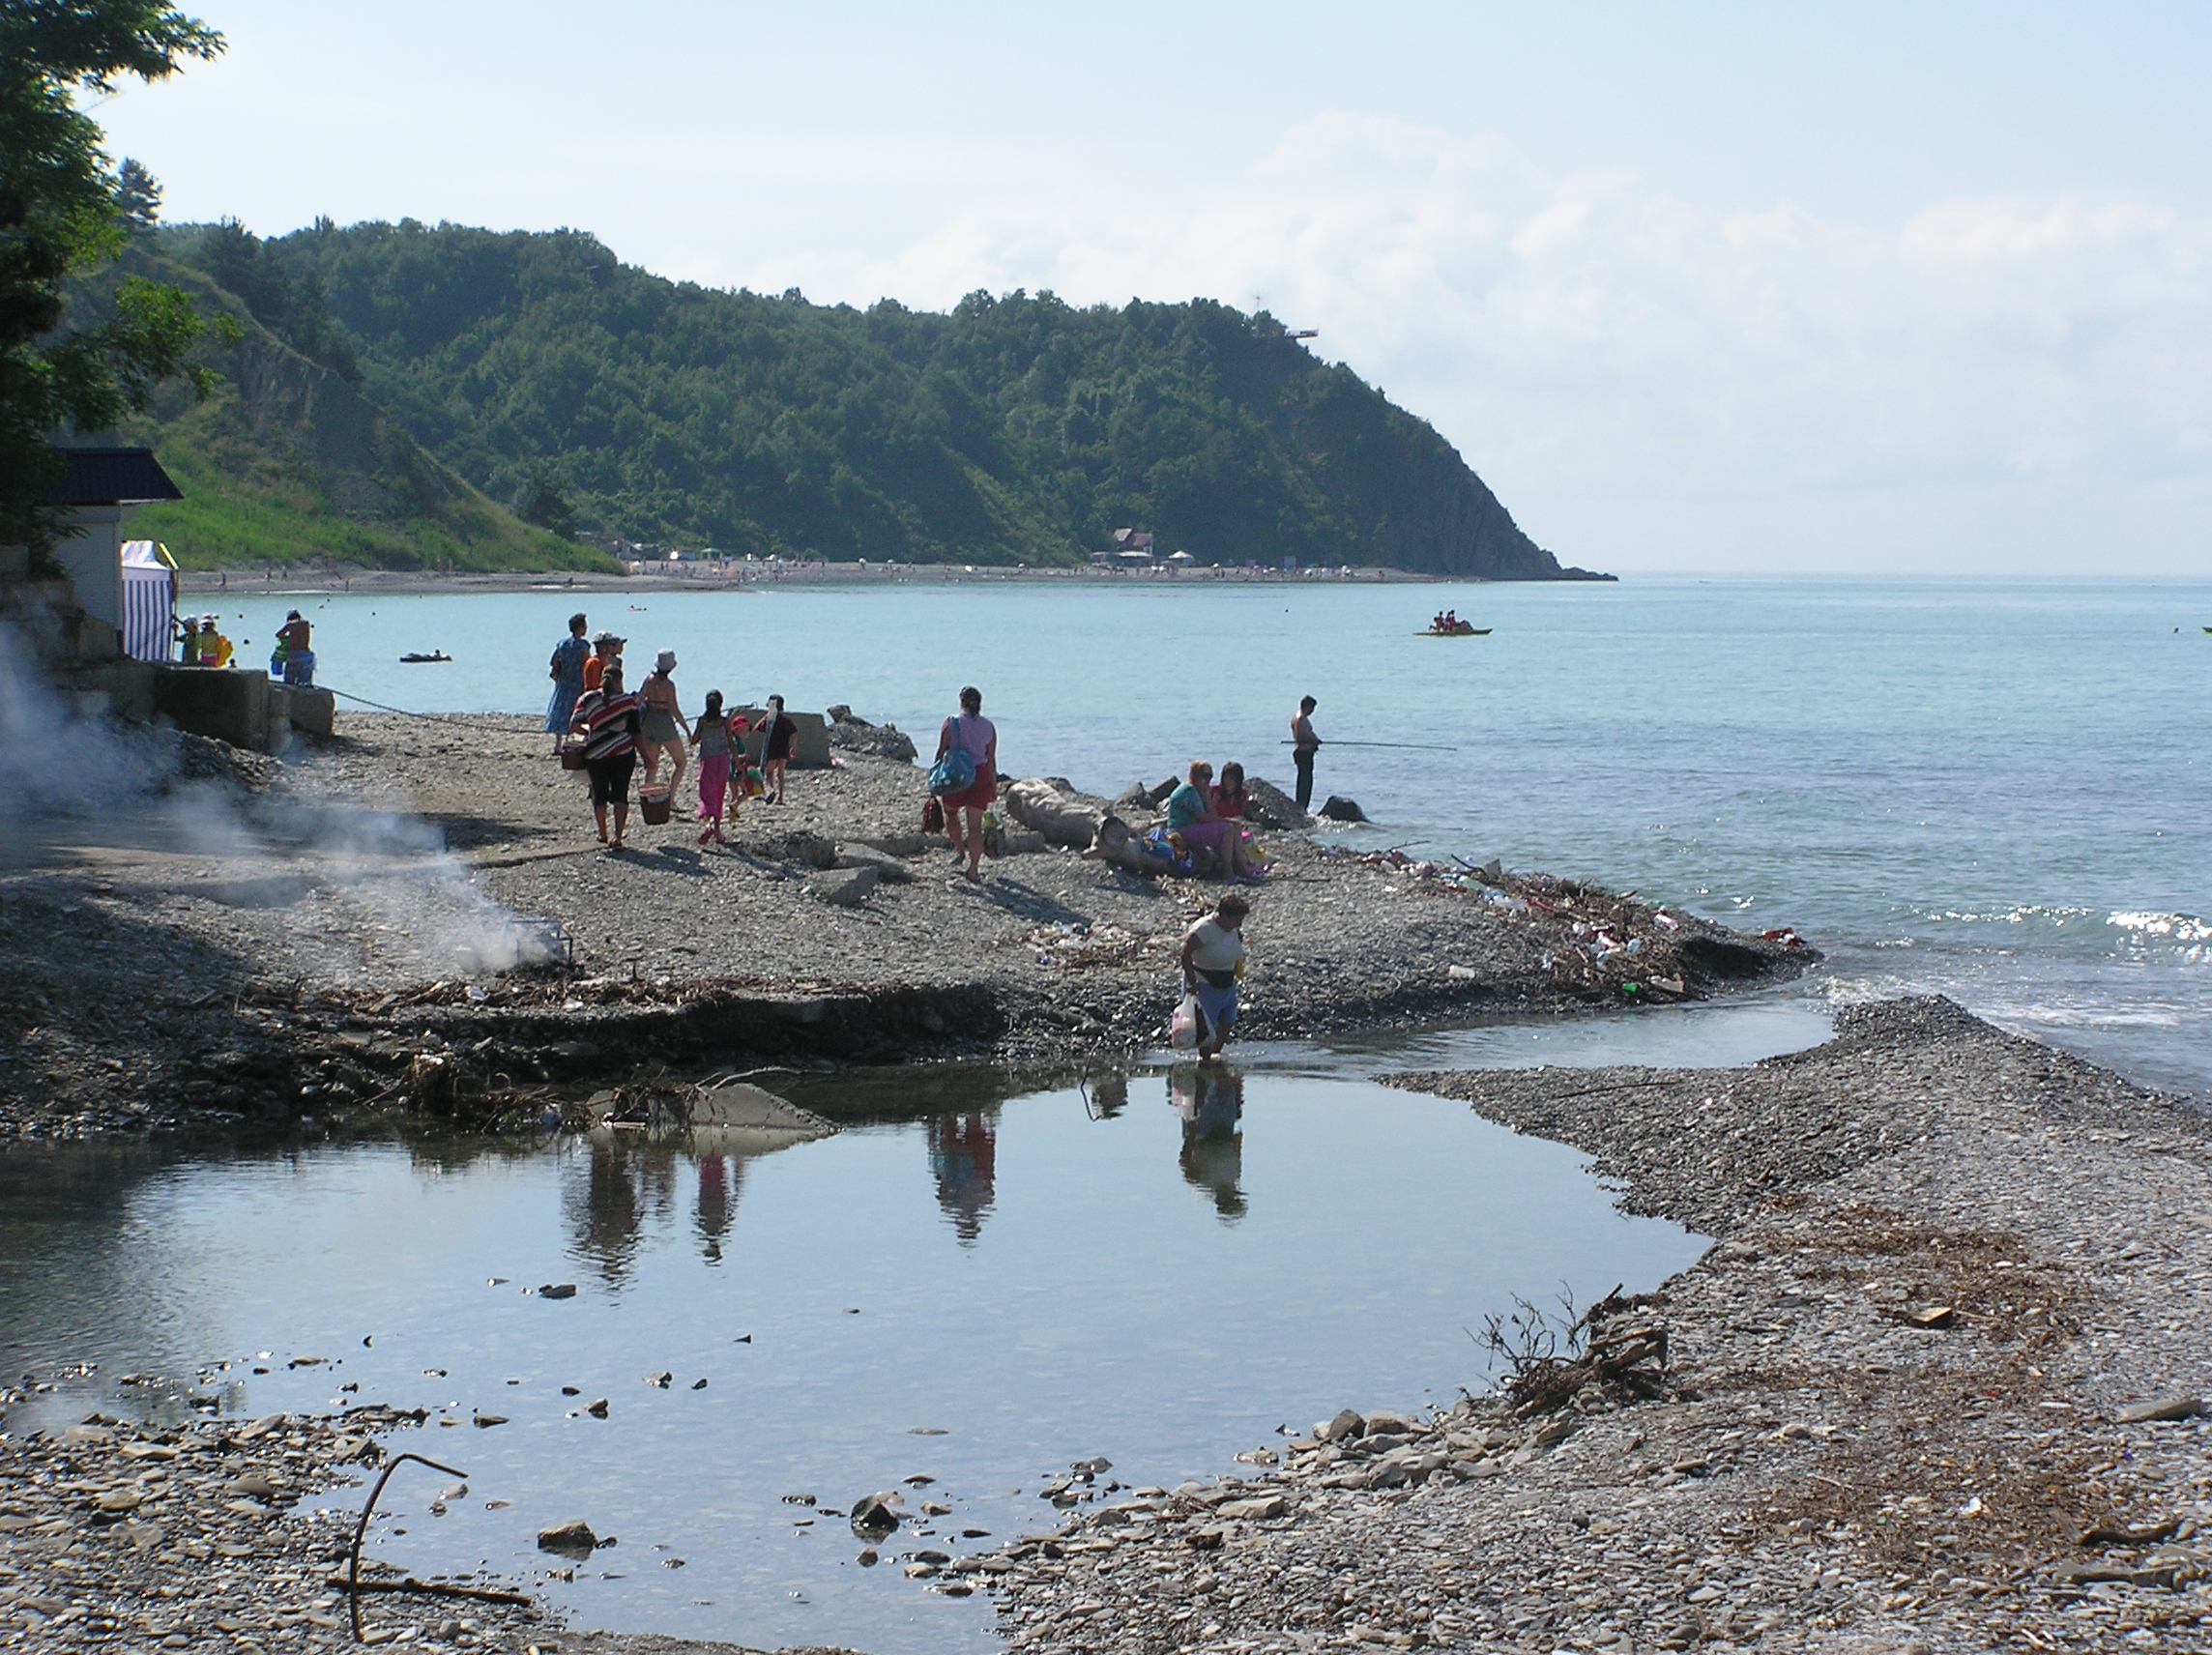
(1079, 821)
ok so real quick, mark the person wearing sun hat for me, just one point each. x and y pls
(605, 648)
(663, 730)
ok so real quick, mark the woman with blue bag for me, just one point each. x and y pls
(964, 778)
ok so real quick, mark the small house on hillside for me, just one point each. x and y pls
(1132, 547)
(102, 487)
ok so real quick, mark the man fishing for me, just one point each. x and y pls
(1304, 744)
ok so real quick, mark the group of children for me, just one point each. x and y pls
(200, 643)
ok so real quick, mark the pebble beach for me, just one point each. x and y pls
(1939, 1383)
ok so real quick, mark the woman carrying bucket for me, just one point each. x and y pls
(608, 721)
(663, 729)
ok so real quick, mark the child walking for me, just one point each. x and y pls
(716, 739)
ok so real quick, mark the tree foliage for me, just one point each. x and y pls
(544, 500)
(1016, 427)
(283, 297)
(137, 198)
(59, 216)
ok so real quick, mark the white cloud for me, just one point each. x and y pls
(1665, 382)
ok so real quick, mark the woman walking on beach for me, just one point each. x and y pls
(1212, 960)
(608, 721)
(975, 736)
(775, 749)
(662, 729)
(716, 740)
(568, 674)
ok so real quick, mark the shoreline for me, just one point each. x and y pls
(1939, 1388)
(1944, 1385)
(323, 938)
(759, 578)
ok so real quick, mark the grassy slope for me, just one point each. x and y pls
(286, 463)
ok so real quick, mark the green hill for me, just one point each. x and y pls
(288, 463)
(1018, 428)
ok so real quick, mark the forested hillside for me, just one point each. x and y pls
(288, 462)
(598, 396)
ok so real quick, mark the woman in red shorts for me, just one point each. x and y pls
(975, 736)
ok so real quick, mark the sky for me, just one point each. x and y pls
(1802, 289)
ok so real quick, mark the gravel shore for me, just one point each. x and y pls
(302, 938)
(211, 1534)
(1946, 1384)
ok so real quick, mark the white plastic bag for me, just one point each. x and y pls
(1182, 1027)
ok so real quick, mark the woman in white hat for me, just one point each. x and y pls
(663, 730)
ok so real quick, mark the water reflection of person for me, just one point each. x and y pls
(606, 1228)
(721, 1178)
(963, 1154)
(1210, 1099)
(621, 1186)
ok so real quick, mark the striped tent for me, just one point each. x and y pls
(149, 602)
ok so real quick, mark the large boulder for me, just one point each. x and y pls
(880, 740)
(1338, 809)
(1266, 805)
(888, 869)
(842, 888)
(1060, 815)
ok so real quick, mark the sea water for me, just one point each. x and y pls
(2000, 791)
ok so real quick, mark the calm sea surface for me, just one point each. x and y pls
(2000, 791)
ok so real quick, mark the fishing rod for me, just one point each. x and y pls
(1416, 746)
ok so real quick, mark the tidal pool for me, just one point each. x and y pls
(1162, 1269)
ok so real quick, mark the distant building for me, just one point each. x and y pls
(1132, 546)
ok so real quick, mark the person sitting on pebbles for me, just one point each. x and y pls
(1191, 815)
(1212, 961)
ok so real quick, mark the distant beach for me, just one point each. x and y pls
(742, 576)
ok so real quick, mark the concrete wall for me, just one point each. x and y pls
(93, 559)
(247, 708)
